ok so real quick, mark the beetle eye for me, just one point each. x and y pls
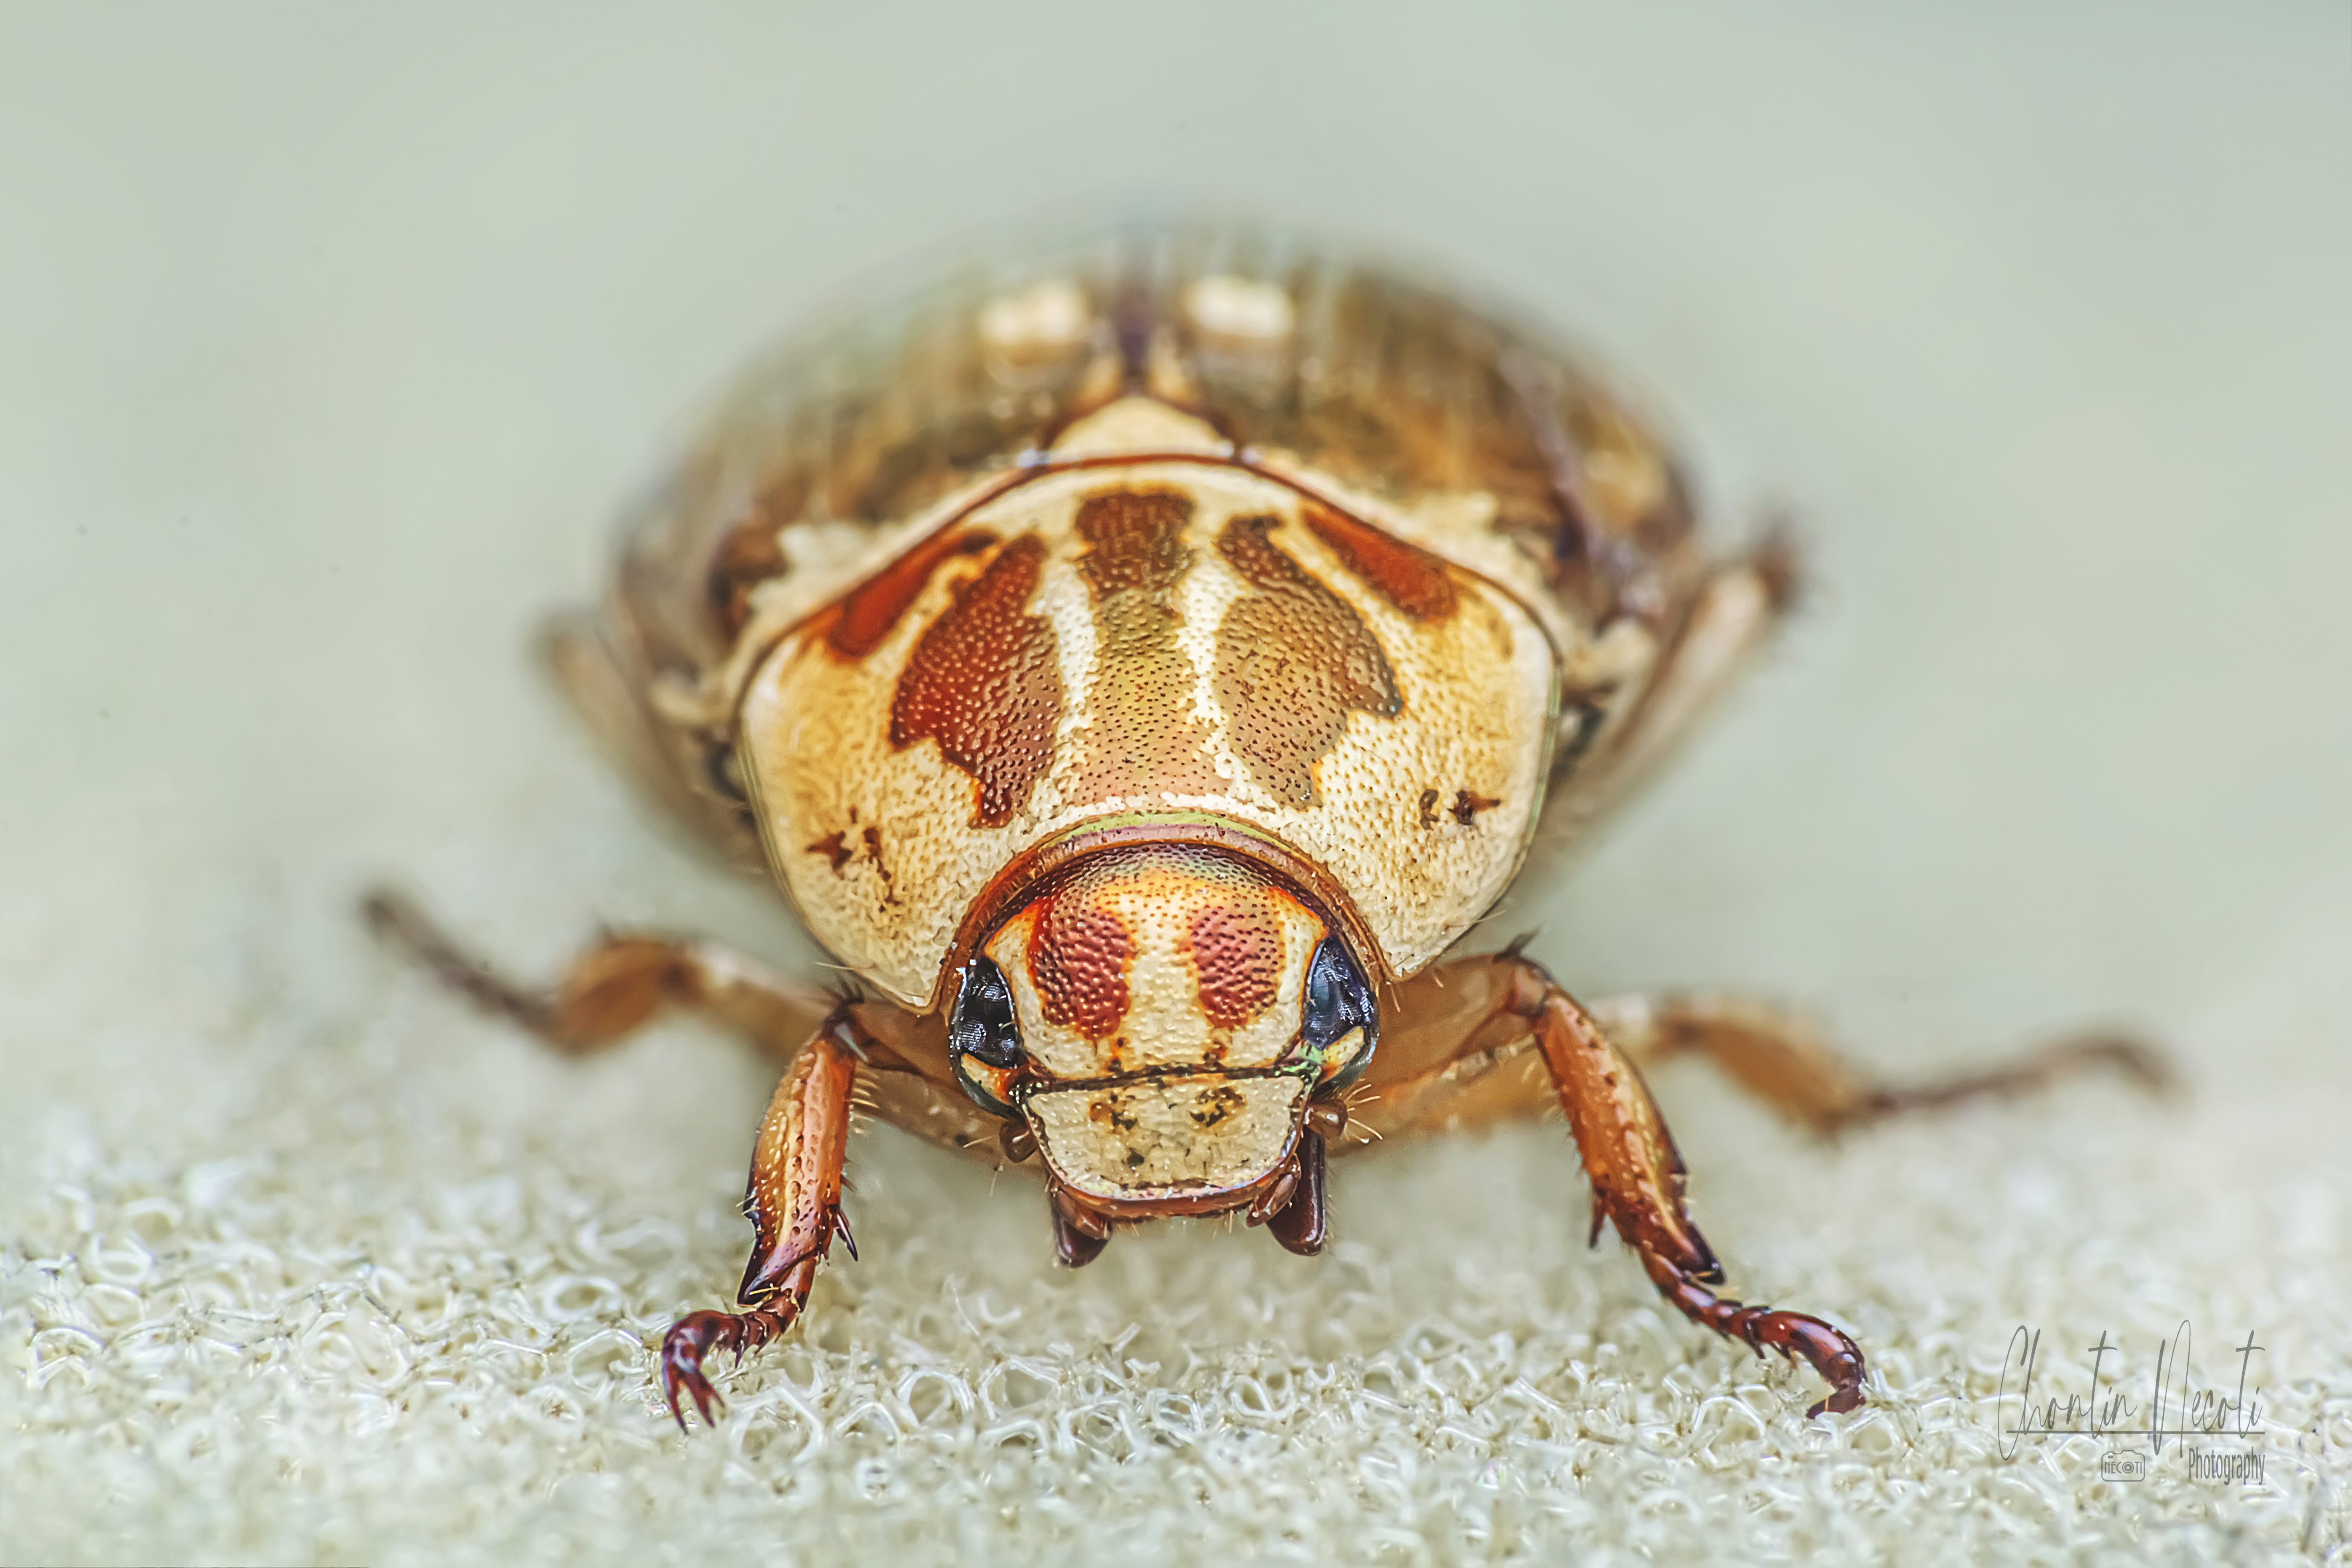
(983, 1025)
(1338, 999)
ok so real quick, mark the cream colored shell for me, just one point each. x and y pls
(880, 844)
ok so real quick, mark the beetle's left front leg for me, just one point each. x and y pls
(1463, 1027)
(795, 1204)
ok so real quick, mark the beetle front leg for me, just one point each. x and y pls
(1460, 1052)
(795, 1204)
(1638, 1179)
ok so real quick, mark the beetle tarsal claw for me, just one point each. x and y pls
(1828, 1350)
(690, 1343)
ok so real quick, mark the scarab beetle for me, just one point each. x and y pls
(1141, 666)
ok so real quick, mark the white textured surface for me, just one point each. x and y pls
(322, 352)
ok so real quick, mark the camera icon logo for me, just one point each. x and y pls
(2116, 1465)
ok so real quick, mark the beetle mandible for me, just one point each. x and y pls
(1141, 666)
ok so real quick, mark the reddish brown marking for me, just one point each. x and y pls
(1429, 808)
(1236, 951)
(866, 614)
(1467, 806)
(1411, 578)
(1294, 660)
(1078, 955)
(1144, 739)
(983, 682)
(1125, 843)
(835, 847)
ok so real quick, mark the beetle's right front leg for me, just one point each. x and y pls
(794, 1203)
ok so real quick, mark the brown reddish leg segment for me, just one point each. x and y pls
(1780, 1060)
(613, 989)
(895, 1062)
(795, 1204)
(1455, 1030)
(623, 983)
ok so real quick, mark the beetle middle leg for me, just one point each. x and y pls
(615, 988)
(1477, 1034)
(1776, 1056)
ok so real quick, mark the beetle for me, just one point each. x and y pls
(1141, 665)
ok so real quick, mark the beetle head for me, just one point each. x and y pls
(1161, 1014)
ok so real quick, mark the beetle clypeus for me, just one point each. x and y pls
(1140, 669)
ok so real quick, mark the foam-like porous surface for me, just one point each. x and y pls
(382, 1326)
(324, 357)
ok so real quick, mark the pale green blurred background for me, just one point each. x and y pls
(330, 340)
